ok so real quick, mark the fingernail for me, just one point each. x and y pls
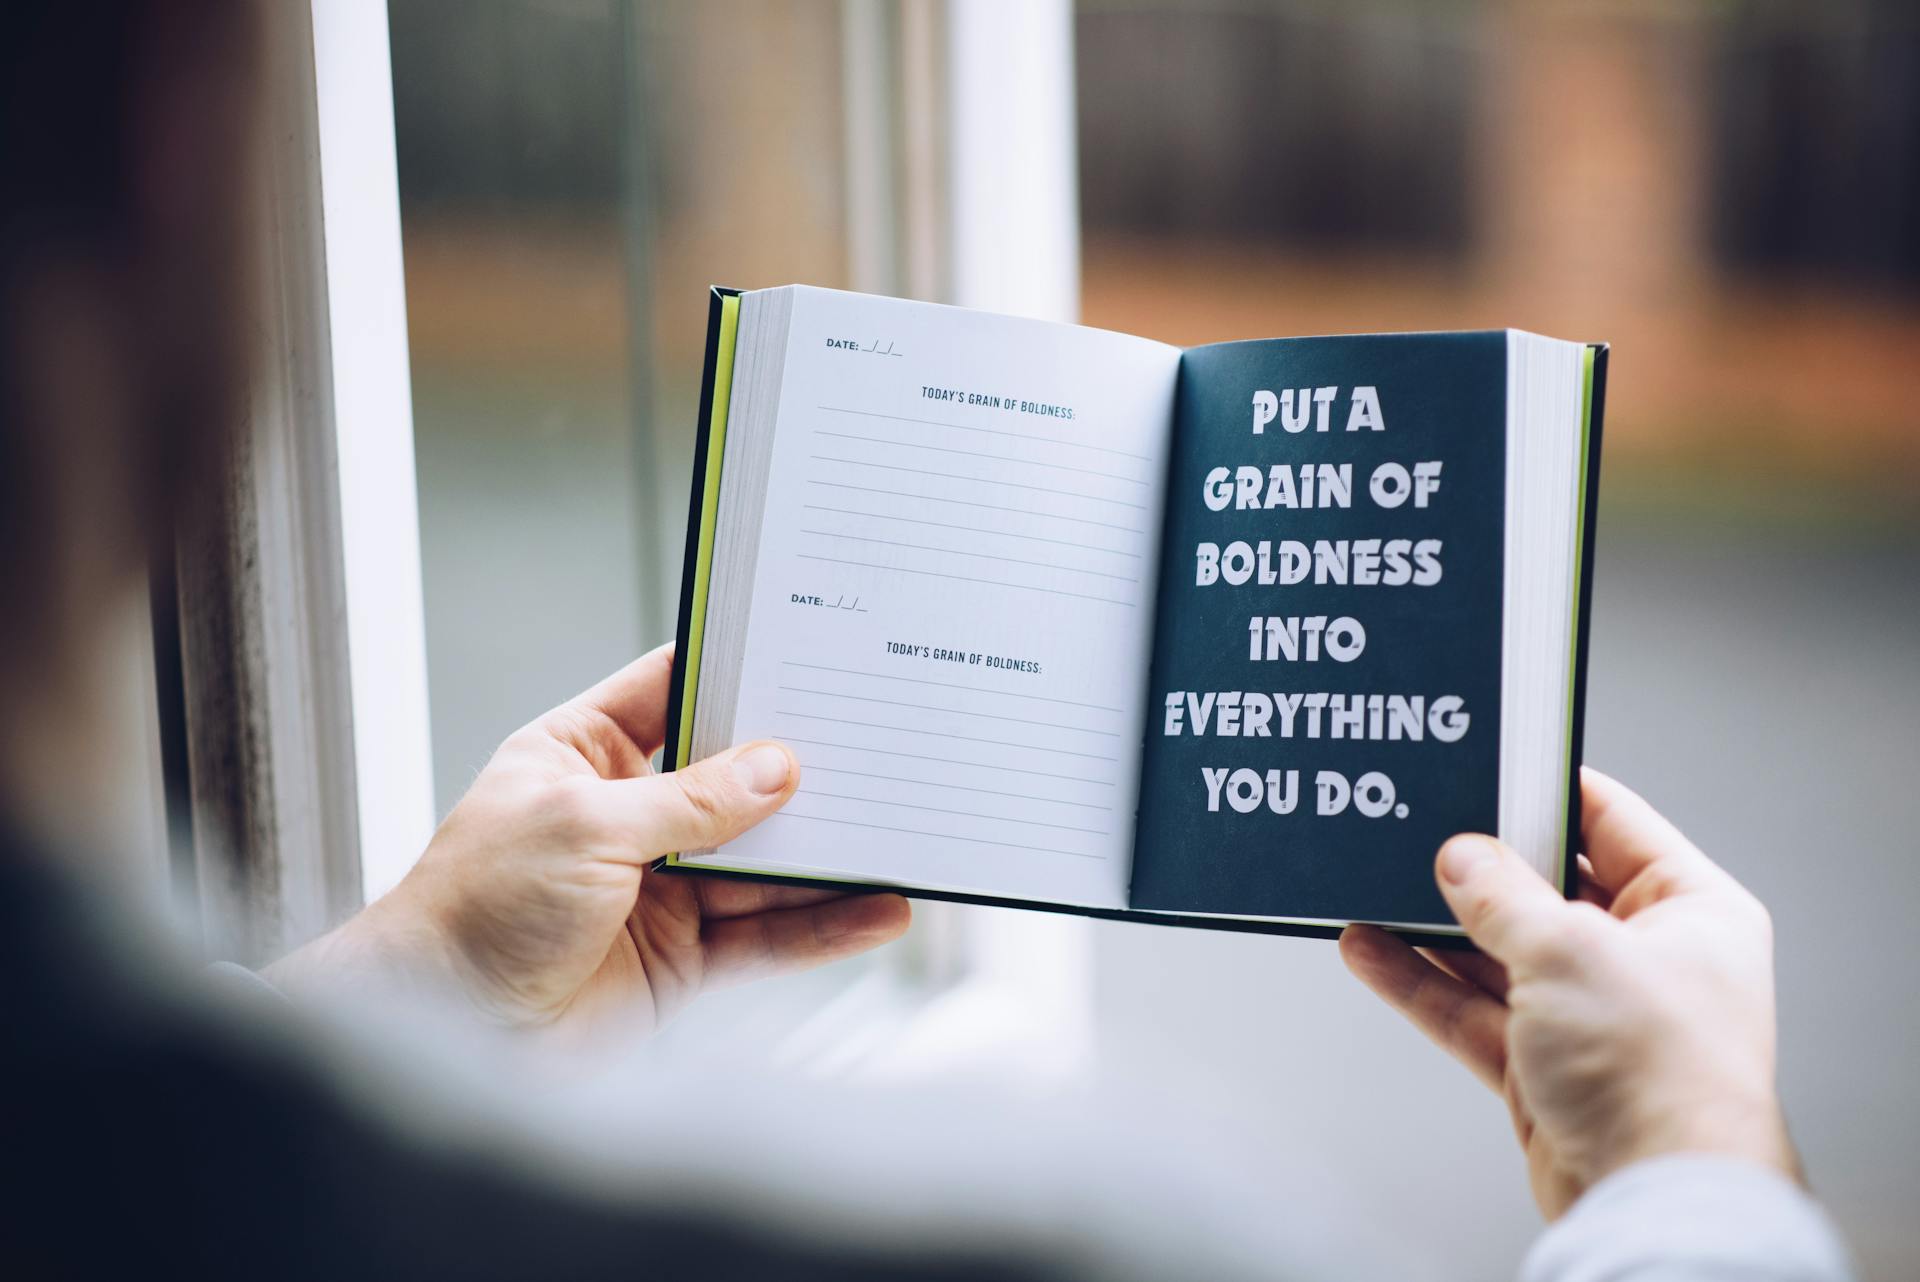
(1461, 856)
(764, 768)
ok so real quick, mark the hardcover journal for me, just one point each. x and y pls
(1055, 617)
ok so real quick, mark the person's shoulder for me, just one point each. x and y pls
(140, 1117)
(83, 973)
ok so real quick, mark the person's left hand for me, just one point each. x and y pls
(534, 898)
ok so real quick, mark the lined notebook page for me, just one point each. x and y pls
(953, 598)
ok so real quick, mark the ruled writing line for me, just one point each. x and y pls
(973, 529)
(965, 578)
(959, 787)
(980, 480)
(991, 431)
(941, 734)
(929, 707)
(991, 507)
(920, 832)
(985, 556)
(965, 814)
(945, 685)
(945, 761)
(1001, 458)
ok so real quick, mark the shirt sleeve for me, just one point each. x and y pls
(1691, 1218)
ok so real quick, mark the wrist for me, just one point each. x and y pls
(383, 948)
(1749, 1128)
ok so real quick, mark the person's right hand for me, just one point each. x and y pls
(1636, 1021)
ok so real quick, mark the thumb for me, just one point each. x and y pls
(704, 804)
(1506, 907)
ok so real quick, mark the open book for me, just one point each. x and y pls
(1063, 618)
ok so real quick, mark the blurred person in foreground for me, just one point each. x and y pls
(214, 1125)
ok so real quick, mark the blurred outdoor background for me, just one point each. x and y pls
(1729, 193)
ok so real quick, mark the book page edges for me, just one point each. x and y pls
(714, 450)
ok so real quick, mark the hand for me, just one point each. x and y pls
(1635, 1021)
(534, 900)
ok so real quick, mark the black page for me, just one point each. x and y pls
(1441, 396)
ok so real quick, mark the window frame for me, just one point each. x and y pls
(373, 433)
(292, 710)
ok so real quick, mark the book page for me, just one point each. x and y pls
(953, 599)
(1327, 669)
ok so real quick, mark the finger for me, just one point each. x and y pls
(1625, 837)
(773, 943)
(1477, 969)
(706, 804)
(635, 698)
(722, 897)
(1505, 906)
(1460, 1018)
(1587, 887)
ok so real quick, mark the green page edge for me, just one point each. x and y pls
(703, 563)
(709, 516)
(1579, 572)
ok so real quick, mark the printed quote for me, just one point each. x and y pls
(1305, 709)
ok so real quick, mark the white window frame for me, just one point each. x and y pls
(373, 433)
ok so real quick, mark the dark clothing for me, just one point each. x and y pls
(151, 1130)
(146, 1134)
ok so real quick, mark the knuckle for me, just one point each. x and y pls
(519, 744)
(1498, 918)
(705, 798)
(1573, 934)
(1659, 880)
(1485, 910)
(554, 723)
(1545, 933)
(570, 809)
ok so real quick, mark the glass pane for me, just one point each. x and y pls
(574, 174)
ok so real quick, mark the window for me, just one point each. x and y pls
(491, 226)
(1808, 109)
(1287, 122)
(572, 177)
